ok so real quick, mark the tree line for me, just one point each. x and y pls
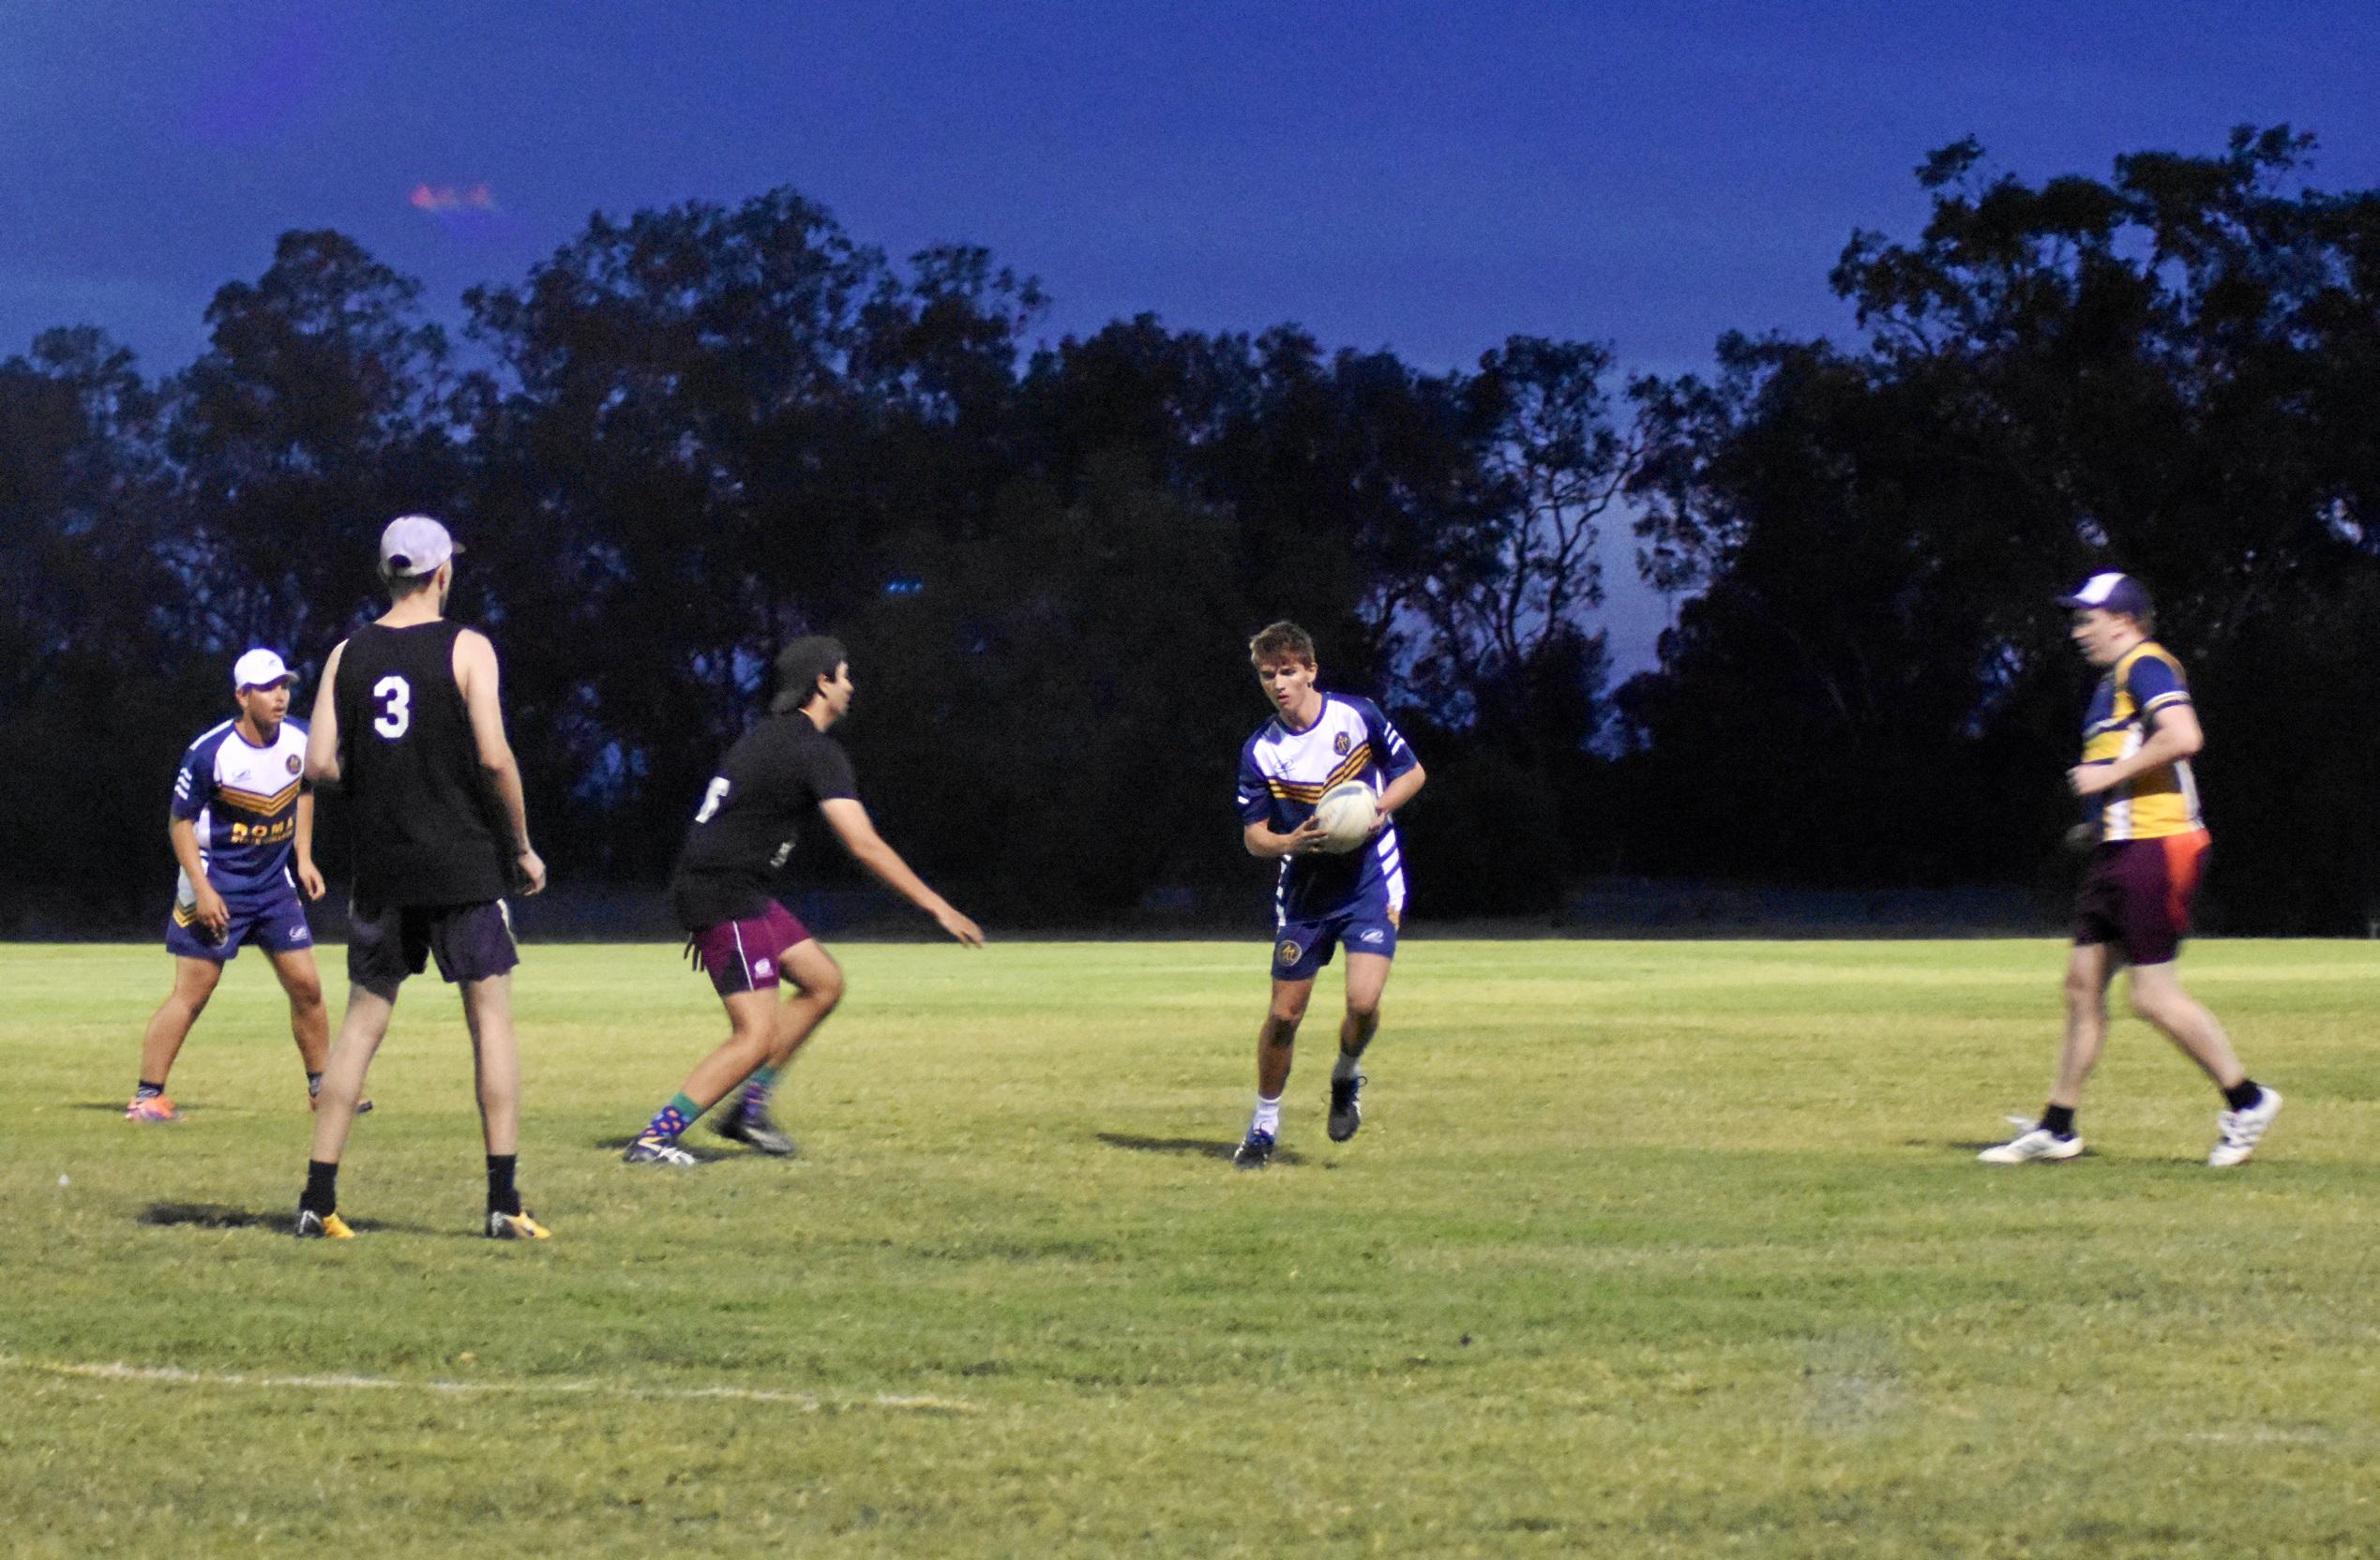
(689, 435)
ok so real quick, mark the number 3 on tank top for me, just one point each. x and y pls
(397, 706)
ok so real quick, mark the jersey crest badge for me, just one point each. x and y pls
(1340, 743)
(296, 763)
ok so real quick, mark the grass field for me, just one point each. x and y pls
(1669, 1248)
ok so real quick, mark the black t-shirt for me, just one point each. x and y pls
(769, 783)
(427, 824)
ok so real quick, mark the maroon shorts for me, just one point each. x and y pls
(2137, 895)
(741, 956)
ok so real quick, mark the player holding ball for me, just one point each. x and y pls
(1328, 894)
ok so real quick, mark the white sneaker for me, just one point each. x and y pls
(2027, 1147)
(2242, 1130)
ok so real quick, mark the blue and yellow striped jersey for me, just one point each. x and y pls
(2123, 711)
(1283, 774)
(243, 801)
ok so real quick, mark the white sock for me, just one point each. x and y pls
(1343, 1069)
(1268, 1114)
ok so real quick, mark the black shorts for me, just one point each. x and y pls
(473, 943)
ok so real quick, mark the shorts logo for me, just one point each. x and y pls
(298, 933)
(1340, 743)
(296, 763)
(1289, 952)
(759, 969)
(1375, 935)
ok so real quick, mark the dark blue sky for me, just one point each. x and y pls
(1427, 178)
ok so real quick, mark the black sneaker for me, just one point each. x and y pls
(1347, 1107)
(746, 1122)
(1255, 1151)
(653, 1148)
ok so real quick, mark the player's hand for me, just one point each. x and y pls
(2090, 779)
(959, 927)
(309, 880)
(213, 913)
(532, 868)
(1305, 839)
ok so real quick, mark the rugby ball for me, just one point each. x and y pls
(1345, 814)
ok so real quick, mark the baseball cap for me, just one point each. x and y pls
(799, 664)
(414, 544)
(2111, 593)
(260, 668)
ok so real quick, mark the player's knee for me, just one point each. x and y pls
(2082, 992)
(2152, 1004)
(305, 991)
(826, 989)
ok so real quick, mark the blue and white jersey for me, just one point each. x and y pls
(1283, 774)
(243, 800)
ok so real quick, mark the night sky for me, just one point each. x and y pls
(1427, 178)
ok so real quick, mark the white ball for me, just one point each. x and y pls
(1346, 813)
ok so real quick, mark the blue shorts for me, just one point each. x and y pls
(1301, 948)
(270, 916)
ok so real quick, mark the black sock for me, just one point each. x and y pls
(2243, 1095)
(321, 1188)
(148, 1090)
(313, 1085)
(2059, 1120)
(502, 1197)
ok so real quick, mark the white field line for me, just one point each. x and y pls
(175, 1376)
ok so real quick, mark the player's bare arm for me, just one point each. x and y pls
(849, 818)
(310, 878)
(2177, 735)
(322, 735)
(476, 674)
(210, 908)
(1399, 792)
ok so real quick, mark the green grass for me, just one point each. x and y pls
(1645, 1249)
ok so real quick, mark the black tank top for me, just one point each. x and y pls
(427, 825)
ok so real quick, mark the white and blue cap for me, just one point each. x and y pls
(414, 544)
(2111, 593)
(260, 668)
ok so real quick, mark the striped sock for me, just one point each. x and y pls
(758, 1088)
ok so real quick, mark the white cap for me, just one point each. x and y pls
(414, 544)
(2111, 591)
(260, 668)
